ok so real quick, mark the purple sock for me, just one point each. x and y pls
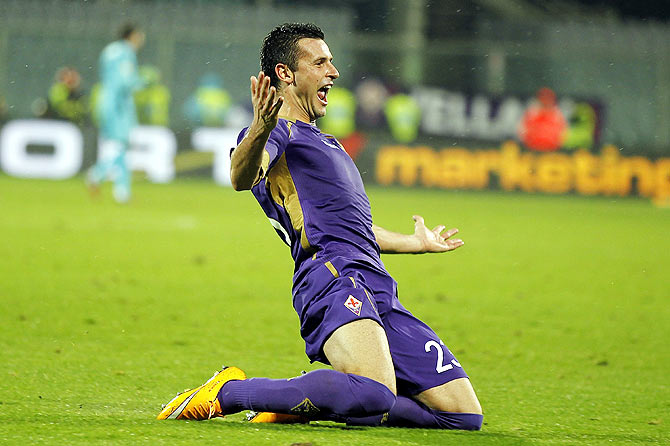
(318, 394)
(410, 413)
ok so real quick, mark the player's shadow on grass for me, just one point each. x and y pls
(446, 437)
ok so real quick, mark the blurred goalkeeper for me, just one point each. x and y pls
(388, 367)
(116, 110)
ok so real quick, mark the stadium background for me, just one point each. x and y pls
(557, 304)
(463, 53)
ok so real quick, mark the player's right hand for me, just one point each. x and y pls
(265, 101)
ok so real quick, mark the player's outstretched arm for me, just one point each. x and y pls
(245, 162)
(423, 240)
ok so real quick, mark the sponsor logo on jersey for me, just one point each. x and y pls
(354, 305)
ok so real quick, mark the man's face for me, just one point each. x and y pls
(136, 39)
(314, 76)
(71, 79)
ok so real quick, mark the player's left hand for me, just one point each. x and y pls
(436, 240)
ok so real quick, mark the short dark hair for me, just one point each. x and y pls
(281, 46)
(127, 29)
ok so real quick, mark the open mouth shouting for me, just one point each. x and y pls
(322, 94)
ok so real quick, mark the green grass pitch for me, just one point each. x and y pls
(558, 307)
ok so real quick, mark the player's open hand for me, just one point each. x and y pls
(266, 102)
(436, 240)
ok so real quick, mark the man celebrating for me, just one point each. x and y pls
(388, 367)
(116, 110)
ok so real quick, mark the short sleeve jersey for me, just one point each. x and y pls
(313, 194)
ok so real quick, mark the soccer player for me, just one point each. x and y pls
(116, 110)
(388, 367)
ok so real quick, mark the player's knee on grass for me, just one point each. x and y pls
(462, 421)
(361, 396)
(410, 413)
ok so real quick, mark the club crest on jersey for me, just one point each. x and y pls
(354, 305)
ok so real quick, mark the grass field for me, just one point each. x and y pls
(558, 307)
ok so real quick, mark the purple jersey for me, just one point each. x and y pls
(312, 192)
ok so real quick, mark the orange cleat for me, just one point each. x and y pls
(201, 403)
(271, 417)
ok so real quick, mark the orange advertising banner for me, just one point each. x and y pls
(608, 173)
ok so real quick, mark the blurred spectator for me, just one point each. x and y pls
(210, 104)
(403, 115)
(116, 110)
(543, 126)
(371, 95)
(4, 110)
(152, 101)
(581, 133)
(93, 103)
(66, 99)
(340, 119)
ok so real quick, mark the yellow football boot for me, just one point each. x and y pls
(201, 403)
(280, 418)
